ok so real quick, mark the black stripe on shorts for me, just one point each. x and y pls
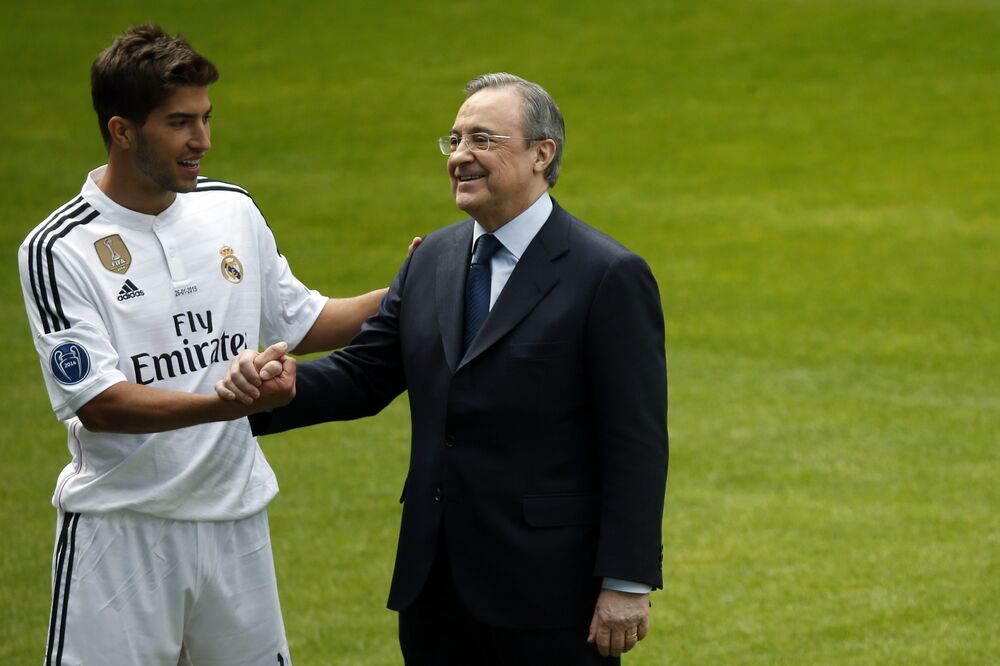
(60, 588)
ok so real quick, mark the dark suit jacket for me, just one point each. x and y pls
(542, 453)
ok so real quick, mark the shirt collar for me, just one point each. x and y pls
(115, 212)
(517, 234)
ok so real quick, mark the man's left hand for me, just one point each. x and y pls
(621, 619)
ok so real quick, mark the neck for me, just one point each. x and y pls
(130, 189)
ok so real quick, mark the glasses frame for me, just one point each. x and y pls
(444, 142)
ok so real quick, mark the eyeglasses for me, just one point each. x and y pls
(477, 141)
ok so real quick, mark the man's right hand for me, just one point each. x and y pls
(251, 373)
(414, 244)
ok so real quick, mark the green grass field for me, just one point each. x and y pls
(815, 185)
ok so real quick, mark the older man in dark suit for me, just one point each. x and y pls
(532, 348)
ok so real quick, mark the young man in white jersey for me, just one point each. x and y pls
(139, 292)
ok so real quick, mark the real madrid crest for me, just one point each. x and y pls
(232, 268)
(113, 254)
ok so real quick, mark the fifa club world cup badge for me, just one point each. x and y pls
(232, 269)
(113, 254)
(70, 363)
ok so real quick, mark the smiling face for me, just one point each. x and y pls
(496, 185)
(172, 141)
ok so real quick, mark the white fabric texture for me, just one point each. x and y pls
(167, 301)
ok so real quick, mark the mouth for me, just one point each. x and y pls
(191, 165)
(470, 178)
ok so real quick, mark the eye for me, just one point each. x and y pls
(479, 140)
(454, 140)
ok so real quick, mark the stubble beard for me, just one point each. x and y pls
(159, 174)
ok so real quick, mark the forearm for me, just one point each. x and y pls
(131, 408)
(339, 321)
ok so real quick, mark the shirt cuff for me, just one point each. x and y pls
(626, 586)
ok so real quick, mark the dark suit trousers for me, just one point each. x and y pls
(437, 630)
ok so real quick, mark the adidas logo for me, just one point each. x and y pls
(129, 290)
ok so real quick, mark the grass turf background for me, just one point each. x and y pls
(814, 184)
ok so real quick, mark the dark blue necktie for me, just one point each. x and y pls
(477, 287)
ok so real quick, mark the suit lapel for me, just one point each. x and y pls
(535, 274)
(449, 291)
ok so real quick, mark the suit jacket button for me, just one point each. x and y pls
(438, 494)
(450, 440)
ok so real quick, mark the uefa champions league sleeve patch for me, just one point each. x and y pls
(70, 363)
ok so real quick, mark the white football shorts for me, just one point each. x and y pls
(131, 589)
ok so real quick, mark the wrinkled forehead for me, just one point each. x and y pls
(493, 110)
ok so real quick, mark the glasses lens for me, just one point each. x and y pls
(447, 144)
(479, 141)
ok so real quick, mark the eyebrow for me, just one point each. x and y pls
(182, 114)
(475, 130)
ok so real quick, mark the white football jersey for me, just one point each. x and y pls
(165, 301)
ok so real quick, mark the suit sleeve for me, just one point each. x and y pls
(627, 373)
(357, 381)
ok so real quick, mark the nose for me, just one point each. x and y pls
(201, 139)
(462, 155)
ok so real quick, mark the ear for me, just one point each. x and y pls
(545, 152)
(122, 132)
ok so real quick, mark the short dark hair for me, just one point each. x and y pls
(540, 116)
(139, 70)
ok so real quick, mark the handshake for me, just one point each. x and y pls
(265, 380)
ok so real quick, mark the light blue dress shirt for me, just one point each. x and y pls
(515, 236)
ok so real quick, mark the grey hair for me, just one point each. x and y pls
(539, 113)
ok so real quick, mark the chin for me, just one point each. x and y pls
(466, 202)
(184, 186)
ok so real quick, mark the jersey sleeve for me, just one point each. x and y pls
(288, 307)
(74, 348)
